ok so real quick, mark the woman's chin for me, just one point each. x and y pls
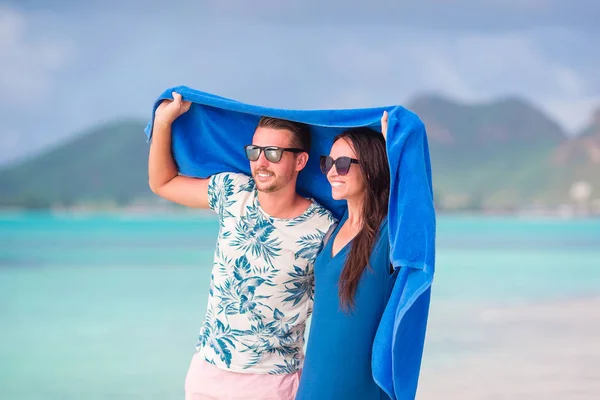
(338, 194)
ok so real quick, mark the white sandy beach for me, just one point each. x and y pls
(547, 351)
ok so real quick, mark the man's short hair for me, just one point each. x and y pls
(300, 131)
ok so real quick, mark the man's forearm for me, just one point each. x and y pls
(161, 166)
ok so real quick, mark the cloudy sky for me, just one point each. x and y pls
(67, 65)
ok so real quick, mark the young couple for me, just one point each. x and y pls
(276, 252)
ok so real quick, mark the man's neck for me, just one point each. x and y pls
(284, 203)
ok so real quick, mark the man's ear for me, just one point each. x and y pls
(301, 161)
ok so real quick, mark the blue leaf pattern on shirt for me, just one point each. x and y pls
(253, 234)
(301, 284)
(237, 292)
(218, 194)
(260, 274)
(289, 367)
(310, 245)
(276, 336)
(219, 337)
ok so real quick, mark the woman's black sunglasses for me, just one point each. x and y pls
(272, 153)
(342, 164)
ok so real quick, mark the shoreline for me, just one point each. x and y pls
(151, 212)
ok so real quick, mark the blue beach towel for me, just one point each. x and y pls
(210, 138)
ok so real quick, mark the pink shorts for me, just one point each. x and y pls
(204, 381)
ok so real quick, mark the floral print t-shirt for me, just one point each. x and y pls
(261, 290)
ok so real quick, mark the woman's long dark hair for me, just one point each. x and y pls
(369, 146)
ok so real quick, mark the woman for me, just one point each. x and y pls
(353, 275)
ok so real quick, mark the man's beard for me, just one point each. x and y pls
(271, 187)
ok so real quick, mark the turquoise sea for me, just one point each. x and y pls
(108, 306)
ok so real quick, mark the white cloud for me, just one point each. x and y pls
(568, 82)
(265, 56)
(12, 145)
(366, 70)
(29, 59)
(11, 26)
(574, 113)
(481, 67)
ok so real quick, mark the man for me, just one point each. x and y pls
(251, 342)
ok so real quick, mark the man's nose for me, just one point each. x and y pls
(262, 160)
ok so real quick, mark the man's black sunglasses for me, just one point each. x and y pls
(342, 164)
(272, 153)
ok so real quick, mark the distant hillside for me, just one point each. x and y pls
(105, 164)
(487, 155)
(504, 154)
(576, 160)
(593, 129)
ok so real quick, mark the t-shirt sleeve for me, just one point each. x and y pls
(223, 189)
(329, 233)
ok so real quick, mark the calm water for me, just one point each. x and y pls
(108, 306)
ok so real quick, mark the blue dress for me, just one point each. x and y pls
(338, 354)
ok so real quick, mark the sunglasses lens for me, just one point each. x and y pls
(342, 165)
(252, 153)
(273, 155)
(326, 164)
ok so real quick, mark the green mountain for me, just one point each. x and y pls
(576, 160)
(593, 129)
(487, 155)
(504, 154)
(105, 165)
